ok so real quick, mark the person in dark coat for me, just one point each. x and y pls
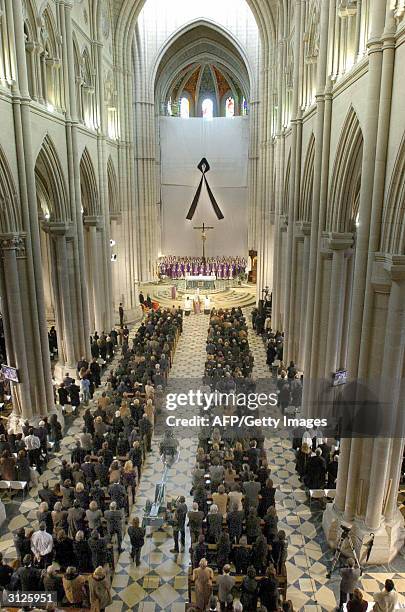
(27, 577)
(78, 454)
(179, 525)
(279, 551)
(270, 524)
(75, 518)
(315, 473)
(249, 591)
(267, 498)
(214, 524)
(137, 538)
(82, 553)
(268, 591)
(101, 472)
(223, 550)
(99, 549)
(235, 520)
(22, 467)
(195, 522)
(260, 554)
(302, 457)
(97, 495)
(5, 573)
(63, 547)
(65, 471)
(332, 472)
(241, 555)
(253, 528)
(199, 551)
(22, 544)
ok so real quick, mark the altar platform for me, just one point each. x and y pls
(206, 283)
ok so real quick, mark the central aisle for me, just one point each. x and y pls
(160, 582)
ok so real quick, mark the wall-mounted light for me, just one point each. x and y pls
(112, 242)
(50, 107)
(114, 257)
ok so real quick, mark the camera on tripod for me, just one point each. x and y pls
(344, 537)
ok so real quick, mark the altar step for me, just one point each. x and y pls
(238, 297)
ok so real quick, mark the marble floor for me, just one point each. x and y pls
(160, 582)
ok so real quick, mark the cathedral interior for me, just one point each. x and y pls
(202, 196)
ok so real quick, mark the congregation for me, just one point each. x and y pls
(73, 552)
(237, 551)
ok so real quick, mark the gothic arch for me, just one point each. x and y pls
(393, 220)
(188, 27)
(88, 185)
(50, 183)
(343, 199)
(113, 193)
(305, 204)
(10, 220)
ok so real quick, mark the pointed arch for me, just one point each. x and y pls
(286, 195)
(113, 194)
(305, 204)
(393, 219)
(343, 199)
(88, 186)
(49, 32)
(50, 183)
(10, 220)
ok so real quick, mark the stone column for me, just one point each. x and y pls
(40, 370)
(62, 272)
(295, 174)
(320, 187)
(94, 225)
(305, 228)
(12, 253)
(82, 308)
(369, 469)
(339, 244)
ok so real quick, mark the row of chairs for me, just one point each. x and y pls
(14, 485)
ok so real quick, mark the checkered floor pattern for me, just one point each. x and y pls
(160, 582)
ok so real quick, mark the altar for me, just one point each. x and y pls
(206, 283)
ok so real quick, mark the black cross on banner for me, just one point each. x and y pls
(204, 167)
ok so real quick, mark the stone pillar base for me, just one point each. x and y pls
(60, 370)
(388, 538)
(16, 421)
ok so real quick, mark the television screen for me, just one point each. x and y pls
(339, 378)
(10, 373)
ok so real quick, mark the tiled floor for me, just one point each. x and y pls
(160, 583)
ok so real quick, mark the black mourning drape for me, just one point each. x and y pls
(204, 167)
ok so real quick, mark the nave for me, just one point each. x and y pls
(161, 581)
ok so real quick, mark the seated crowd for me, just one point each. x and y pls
(72, 551)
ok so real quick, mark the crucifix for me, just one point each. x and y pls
(203, 229)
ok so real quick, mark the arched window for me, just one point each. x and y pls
(184, 108)
(207, 109)
(230, 107)
(169, 107)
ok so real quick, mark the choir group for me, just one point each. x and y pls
(222, 267)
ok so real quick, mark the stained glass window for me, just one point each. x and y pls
(230, 107)
(184, 108)
(207, 109)
(244, 107)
